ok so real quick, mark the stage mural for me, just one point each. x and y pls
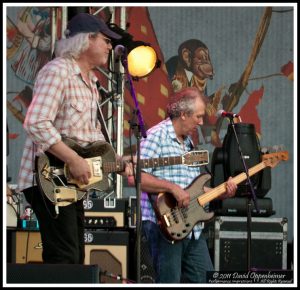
(28, 50)
(244, 63)
(242, 58)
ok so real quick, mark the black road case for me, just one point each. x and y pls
(268, 243)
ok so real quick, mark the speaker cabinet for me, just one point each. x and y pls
(26, 247)
(52, 273)
(108, 250)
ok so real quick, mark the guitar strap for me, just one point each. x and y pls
(151, 200)
(104, 129)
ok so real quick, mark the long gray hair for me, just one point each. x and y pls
(72, 46)
(183, 101)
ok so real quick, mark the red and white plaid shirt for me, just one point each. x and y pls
(63, 104)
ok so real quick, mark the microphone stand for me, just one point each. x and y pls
(253, 196)
(139, 132)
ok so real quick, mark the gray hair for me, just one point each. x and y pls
(183, 101)
(72, 46)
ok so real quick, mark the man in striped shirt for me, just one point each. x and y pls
(64, 104)
(186, 260)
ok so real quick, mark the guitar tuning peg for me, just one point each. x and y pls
(264, 150)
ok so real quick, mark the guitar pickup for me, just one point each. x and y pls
(167, 221)
(96, 167)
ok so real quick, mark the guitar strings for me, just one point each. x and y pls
(178, 213)
(194, 159)
(215, 192)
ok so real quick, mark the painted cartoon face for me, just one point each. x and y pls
(201, 64)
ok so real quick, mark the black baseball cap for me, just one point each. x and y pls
(84, 22)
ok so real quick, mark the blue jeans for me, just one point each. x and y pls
(185, 261)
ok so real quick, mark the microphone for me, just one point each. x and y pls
(224, 114)
(119, 50)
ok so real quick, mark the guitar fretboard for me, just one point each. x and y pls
(164, 161)
(119, 166)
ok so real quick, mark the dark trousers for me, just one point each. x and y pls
(63, 234)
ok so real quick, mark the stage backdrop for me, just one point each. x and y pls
(241, 57)
(245, 66)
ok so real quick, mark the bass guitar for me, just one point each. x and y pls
(176, 223)
(54, 179)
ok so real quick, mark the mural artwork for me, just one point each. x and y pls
(28, 50)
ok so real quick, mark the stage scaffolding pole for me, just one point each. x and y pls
(118, 100)
(120, 108)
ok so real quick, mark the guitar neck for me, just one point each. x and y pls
(109, 167)
(119, 166)
(220, 189)
(163, 161)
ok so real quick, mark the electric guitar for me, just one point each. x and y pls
(176, 223)
(54, 179)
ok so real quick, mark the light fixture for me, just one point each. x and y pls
(141, 57)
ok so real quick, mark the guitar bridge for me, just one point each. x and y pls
(45, 172)
(65, 195)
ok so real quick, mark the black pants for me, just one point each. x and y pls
(63, 234)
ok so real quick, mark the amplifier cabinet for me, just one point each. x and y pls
(268, 243)
(105, 213)
(26, 247)
(109, 250)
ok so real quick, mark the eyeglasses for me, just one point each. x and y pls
(107, 40)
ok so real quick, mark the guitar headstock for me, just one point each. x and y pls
(196, 158)
(272, 159)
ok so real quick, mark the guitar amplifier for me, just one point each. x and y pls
(105, 213)
(109, 249)
(26, 247)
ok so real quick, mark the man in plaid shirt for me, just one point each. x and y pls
(186, 260)
(64, 104)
